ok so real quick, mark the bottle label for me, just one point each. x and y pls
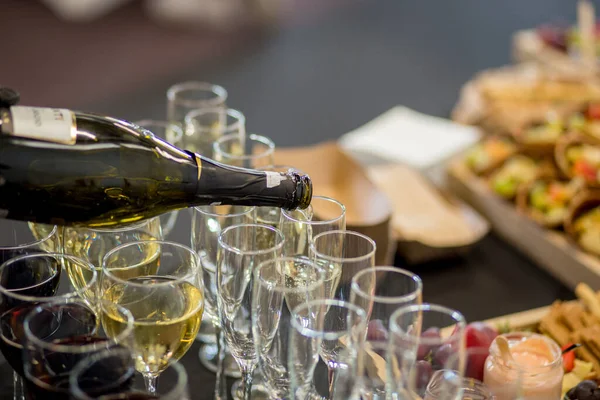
(47, 124)
(274, 178)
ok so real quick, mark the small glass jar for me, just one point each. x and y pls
(535, 373)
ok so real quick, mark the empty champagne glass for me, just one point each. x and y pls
(280, 285)
(189, 96)
(18, 238)
(241, 249)
(25, 282)
(250, 151)
(207, 224)
(57, 336)
(300, 226)
(207, 125)
(424, 336)
(166, 302)
(382, 290)
(93, 244)
(111, 375)
(172, 133)
(332, 329)
(342, 254)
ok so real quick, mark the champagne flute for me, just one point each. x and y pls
(58, 335)
(424, 336)
(207, 125)
(167, 302)
(207, 224)
(251, 151)
(111, 375)
(331, 329)
(172, 133)
(280, 285)
(379, 300)
(189, 96)
(241, 249)
(25, 282)
(93, 244)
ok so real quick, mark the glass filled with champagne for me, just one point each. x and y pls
(166, 299)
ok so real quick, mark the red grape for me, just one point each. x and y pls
(441, 355)
(425, 349)
(423, 374)
(376, 330)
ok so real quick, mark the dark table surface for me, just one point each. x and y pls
(313, 82)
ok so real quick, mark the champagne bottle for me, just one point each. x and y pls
(70, 168)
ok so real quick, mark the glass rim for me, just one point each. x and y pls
(355, 286)
(396, 330)
(288, 213)
(174, 93)
(184, 278)
(72, 294)
(162, 123)
(241, 213)
(239, 119)
(53, 232)
(313, 247)
(252, 137)
(75, 348)
(84, 364)
(118, 228)
(282, 288)
(239, 251)
(325, 335)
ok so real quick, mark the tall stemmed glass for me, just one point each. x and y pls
(93, 244)
(424, 337)
(25, 282)
(251, 151)
(189, 96)
(207, 224)
(57, 336)
(207, 125)
(300, 226)
(380, 291)
(343, 254)
(241, 249)
(172, 133)
(332, 329)
(280, 285)
(167, 302)
(110, 375)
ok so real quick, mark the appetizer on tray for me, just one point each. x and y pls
(489, 154)
(583, 221)
(517, 170)
(546, 200)
(540, 137)
(578, 157)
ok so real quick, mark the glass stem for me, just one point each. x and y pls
(221, 384)
(151, 381)
(247, 384)
(331, 377)
(18, 387)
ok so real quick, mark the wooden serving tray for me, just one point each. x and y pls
(551, 250)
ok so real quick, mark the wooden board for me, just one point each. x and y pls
(551, 250)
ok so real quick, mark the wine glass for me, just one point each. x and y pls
(58, 335)
(331, 329)
(18, 238)
(172, 133)
(300, 226)
(424, 336)
(241, 249)
(93, 244)
(343, 254)
(251, 151)
(189, 96)
(382, 290)
(207, 125)
(207, 224)
(280, 285)
(165, 297)
(111, 375)
(25, 282)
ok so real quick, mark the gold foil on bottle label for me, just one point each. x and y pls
(274, 178)
(48, 124)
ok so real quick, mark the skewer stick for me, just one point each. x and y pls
(586, 21)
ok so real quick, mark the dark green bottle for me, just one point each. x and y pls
(69, 168)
